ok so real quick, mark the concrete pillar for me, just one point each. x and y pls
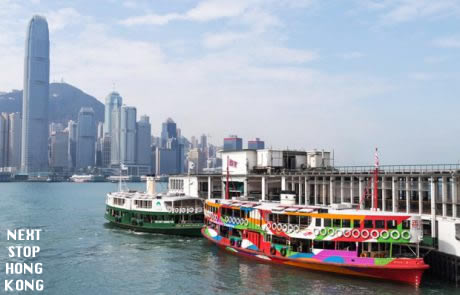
(316, 194)
(444, 196)
(283, 183)
(300, 191)
(408, 190)
(433, 207)
(324, 192)
(454, 196)
(352, 190)
(292, 184)
(245, 187)
(263, 188)
(361, 192)
(331, 189)
(223, 189)
(384, 194)
(342, 190)
(394, 193)
(209, 187)
(420, 195)
(307, 191)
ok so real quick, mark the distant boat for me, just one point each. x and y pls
(87, 178)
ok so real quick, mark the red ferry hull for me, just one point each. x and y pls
(403, 273)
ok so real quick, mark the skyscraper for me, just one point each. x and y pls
(86, 138)
(72, 146)
(14, 142)
(4, 122)
(34, 156)
(233, 143)
(112, 125)
(168, 131)
(128, 135)
(59, 145)
(256, 144)
(144, 142)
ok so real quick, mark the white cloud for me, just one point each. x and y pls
(448, 42)
(219, 40)
(61, 18)
(400, 11)
(205, 11)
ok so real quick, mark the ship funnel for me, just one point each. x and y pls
(151, 185)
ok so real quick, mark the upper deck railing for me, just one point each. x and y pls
(395, 169)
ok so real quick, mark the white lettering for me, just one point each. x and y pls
(7, 285)
(21, 251)
(30, 234)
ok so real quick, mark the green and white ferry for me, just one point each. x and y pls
(154, 212)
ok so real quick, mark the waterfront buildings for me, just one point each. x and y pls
(144, 142)
(14, 140)
(256, 144)
(59, 147)
(169, 157)
(34, 156)
(72, 145)
(233, 143)
(168, 132)
(128, 135)
(4, 140)
(86, 139)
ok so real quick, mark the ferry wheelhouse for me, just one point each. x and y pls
(155, 213)
(361, 243)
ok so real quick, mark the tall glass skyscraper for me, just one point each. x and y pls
(128, 135)
(86, 138)
(34, 156)
(112, 125)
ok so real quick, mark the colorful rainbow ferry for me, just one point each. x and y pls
(155, 213)
(361, 243)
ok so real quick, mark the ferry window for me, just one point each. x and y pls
(391, 224)
(294, 219)
(305, 220)
(379, 224)
(346, 223)
(329, 245)
(406, 224)
(271, 217)
(283, 218)
(368, 224)
(318, 222)
(317, 244)
(337, 223)
(327, 222)
(356, 223)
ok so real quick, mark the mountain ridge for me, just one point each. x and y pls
(64, 103)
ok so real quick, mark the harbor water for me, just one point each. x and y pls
(82, 254)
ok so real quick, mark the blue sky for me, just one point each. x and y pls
(304, 74)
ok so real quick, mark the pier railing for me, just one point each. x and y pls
(425, 168)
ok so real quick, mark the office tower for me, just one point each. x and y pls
(59, 146)
(4, 122)
(168, 131)
(256, 144)
(105, 151)
(204, 143)
(86, 138)
(128, 135)
(100, 129)
(233, 143)
(144, 141)
(113, 102)
(14, 141)
(34, 156)
(193, 142)
(112, 126)
(72, 146)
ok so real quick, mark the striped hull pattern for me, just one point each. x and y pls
(401, 270)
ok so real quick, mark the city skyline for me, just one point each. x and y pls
(277, 66)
